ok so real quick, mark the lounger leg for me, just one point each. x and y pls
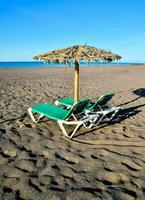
(75, 130)
(60, 123)
(62, 128)
(94, 121)
(114, 114)
(32, 116)
(97, 121)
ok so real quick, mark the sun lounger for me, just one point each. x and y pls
(100, 106)
(64, 116)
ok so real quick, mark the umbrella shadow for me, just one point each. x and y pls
(121, 116)
(139, 92)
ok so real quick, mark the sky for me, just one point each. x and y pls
(31, 27)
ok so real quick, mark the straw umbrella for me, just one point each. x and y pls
(76, 54)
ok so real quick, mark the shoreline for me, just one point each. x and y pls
(67, 67)
(38, 65)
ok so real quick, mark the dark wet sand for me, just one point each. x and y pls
(36, 162)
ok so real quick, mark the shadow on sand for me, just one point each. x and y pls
(14, 119)
(121, 116)
(140, 94)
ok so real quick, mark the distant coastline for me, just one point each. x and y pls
(31, 64)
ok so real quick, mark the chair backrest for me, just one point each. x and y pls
(103, 100)
(78, 107)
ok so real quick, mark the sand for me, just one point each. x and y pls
(37, 162)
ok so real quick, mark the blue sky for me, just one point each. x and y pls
(31, 27)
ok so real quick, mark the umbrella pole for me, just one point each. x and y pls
(76, 82)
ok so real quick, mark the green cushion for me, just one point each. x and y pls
(57, 113)
(93, 105)
(70, 102)
(66, 101)
(51, 111)
(102, 101)
(80, 106)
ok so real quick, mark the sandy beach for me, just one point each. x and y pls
(37, 162)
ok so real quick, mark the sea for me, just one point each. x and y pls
(31, 64)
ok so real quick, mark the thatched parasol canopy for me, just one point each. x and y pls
(77, 54)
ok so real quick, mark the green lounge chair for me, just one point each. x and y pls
(64, 116)
(100, 106)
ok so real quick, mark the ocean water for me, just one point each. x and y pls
(29, 64)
